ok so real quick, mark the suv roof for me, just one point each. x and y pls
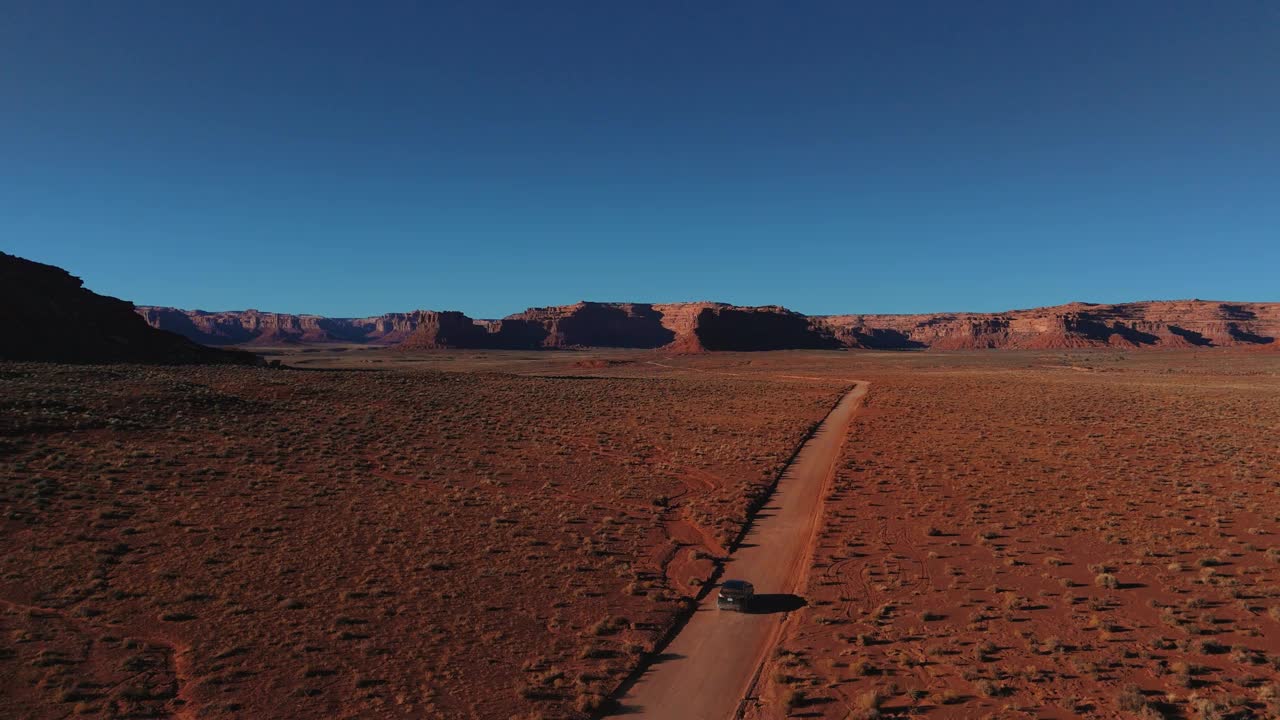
(735, 584)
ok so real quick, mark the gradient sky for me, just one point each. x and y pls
(347, 159)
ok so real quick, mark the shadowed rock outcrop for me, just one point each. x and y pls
(726, 327)
(593, 324)
(449, 329)
(48, 315)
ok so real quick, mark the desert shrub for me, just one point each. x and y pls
(1209, 647)
(1131, 699)
(537, 692)
(863, 667)
(1269, 696)
(785, 678)
(983, 651)
(591, 703)
(608, 626)
(1208, 709)
(869, 700)
(986, 688)
(1150, 712)
(592, 652)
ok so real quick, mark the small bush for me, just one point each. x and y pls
(986, 688)
(1131, 699)
(591, 703)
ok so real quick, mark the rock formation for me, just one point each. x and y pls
(253, 327)
(388, 329)
(449, 329)
(716, 326)
(1161, 324)
(48, 315)
(594, 324)
(703, 326)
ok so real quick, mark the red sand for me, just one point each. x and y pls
(1047, 534)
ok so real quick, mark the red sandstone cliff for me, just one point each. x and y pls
(1157, 324)
(683, 327)
(716, 326)
(592, 324)
(449, 329)
(253, 327)
(702, 326)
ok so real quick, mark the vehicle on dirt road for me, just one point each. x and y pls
(735, 595)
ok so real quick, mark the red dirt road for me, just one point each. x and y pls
(706, 670)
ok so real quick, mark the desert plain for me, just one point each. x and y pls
(373, 532)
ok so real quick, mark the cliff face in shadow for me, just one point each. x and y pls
(449, 329)
(48, 315)
(593, 324)
(753, 328)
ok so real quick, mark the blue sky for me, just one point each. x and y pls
(359, 158)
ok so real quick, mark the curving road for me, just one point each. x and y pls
(707, 668)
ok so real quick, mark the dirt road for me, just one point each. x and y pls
(704, 672)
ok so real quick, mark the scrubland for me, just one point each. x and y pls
(1050, 536)
(272, 543)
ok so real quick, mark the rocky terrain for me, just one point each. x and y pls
(699, 326)
(48, 315)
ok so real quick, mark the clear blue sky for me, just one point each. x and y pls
(359, 158)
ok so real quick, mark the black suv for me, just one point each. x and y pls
(735, 595)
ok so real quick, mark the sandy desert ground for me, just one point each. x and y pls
(506, 534)
(1048, 536)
